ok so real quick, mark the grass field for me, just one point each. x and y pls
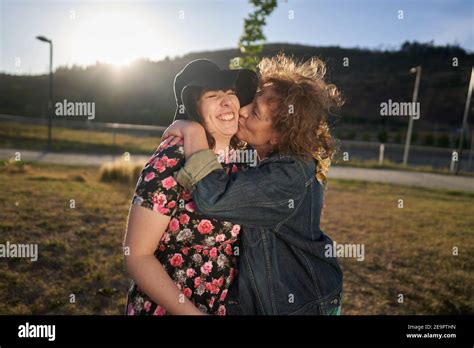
(387, 164)
(79, 248)
(34, 137)
(407, 251)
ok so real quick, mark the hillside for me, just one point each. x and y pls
(142, 93)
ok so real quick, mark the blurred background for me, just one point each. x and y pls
(403, 188)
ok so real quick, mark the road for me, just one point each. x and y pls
(435, 157)
(429, 180)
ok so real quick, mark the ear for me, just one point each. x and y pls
(274, 138)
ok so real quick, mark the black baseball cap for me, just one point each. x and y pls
(205, 74)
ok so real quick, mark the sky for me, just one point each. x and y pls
(117, 32)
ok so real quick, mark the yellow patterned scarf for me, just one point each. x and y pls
(323, 160)
(322, 168)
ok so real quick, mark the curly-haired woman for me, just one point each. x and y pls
(180, 261)
(283, 267)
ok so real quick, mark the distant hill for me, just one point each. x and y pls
(142, 93)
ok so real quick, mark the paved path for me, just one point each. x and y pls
(65, 158)
(458, 183)
(429, 180)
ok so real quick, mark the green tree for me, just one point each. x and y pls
(366, 137)
(398, 137)
(382, 136)
(443, 141)
(252, 39)
(350, 135)
(429, 140)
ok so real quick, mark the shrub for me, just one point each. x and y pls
(465, 144)
(398, 137)
(121, 171)
(443, 141)
(382, 136)
(429, 140)
(350, 135)
(12, 166)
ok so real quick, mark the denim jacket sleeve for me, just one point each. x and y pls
(261, 196)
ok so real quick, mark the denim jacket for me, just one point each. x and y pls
(282, 266)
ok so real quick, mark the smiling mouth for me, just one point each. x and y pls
(227, 116)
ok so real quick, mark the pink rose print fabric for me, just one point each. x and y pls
(197, 252)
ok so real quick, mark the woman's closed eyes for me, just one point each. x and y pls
(209, 95)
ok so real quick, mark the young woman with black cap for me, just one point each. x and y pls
(286, 265)
(180, 261)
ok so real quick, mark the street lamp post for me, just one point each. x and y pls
(50, 103)
(464, 120)
(410, 121)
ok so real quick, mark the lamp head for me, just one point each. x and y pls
(44, 39)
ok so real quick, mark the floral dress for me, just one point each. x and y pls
(197, 252)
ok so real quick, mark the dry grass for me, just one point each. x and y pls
(12, 166)
(121, 171)
(407, 250)
(388, 164)
(79, 248)
(34, 137)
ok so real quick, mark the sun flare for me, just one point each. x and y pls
(110, 37)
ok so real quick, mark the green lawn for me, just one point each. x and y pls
(407, 250)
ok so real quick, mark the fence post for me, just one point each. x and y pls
(454, 159)
(381, 154)
(114, 128)
(471, 150)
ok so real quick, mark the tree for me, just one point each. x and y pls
(382, 136)
(443, 141)
(429, 140)
(252, 39)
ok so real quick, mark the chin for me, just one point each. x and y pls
(242, 137)
(230, 132)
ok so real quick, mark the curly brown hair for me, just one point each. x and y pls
(301, 104)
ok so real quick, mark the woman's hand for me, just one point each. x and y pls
(176, 131)
(191, 133)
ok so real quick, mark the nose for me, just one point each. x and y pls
(226, 100)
